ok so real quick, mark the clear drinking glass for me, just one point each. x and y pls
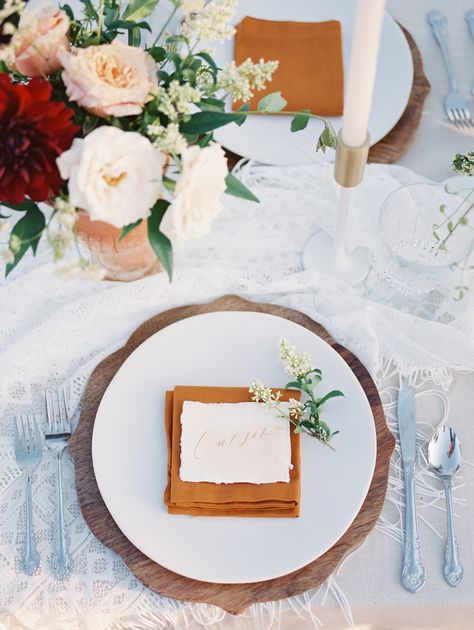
(418, 245)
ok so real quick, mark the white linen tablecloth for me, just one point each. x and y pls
(54, 331)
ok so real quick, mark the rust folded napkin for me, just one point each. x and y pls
(235, 499)
(310, 73)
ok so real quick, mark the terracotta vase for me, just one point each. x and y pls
(128, 259)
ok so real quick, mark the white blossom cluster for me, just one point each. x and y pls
(295, 409)
(192, 6)
(208, 20)
(177, 100)
(297, 365)
(241, 81)
(263, 394)
(60, 232)
(167, 139)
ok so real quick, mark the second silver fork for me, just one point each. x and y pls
(455, 105)
(57, 433)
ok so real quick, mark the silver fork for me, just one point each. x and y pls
(28, 453)
(455, 105)
(57, 433)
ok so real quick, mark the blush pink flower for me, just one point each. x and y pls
(40, 37)
(111, 79)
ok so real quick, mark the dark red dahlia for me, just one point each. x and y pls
(34, 131)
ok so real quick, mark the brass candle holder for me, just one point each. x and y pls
(350, 162)
(329, 255)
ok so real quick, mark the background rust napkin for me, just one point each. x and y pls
(236, 499)
(310, 74)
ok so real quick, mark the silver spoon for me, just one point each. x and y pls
(444, 457)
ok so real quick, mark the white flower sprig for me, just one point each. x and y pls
(241, 81)
(304, 416)
(210, 20)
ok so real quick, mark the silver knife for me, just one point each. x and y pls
(413, 574)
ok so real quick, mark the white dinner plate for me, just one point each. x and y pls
(269, 139)
(129, 450)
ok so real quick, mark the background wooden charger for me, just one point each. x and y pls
(397, 141)
(231, 597)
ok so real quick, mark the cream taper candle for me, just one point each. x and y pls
(362, 69)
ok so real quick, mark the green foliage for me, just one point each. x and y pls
(328, 138)
(463, 163)
(301, 120)
(309, 420)
(160, 243)
(202, 122)
(237, 189)
(272, 103)
(128, 228)
(139, 9)
(26, 234)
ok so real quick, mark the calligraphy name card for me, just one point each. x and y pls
(234, 443)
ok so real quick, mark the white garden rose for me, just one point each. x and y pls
(197, 194)
(115, 175)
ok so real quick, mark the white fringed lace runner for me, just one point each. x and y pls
(55, 331)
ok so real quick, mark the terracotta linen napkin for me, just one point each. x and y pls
(236, 499)
(310, 74)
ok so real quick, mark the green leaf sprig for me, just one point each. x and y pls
(305, 416)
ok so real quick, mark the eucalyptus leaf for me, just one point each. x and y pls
(333, 394)
(134, 37)
(139, 9)
(244, 108)
(209, 60)
(272, 103)
(157, 52)
(68, 11)
(328, 138)
(29, 230)
(205, 140)
(202, 122)
(160, 243)
(301, 120)
(127, 25)
(128, 228)
(237, 189)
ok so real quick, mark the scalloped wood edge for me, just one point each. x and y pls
(233, 598)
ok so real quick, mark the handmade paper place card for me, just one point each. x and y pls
(226, 443)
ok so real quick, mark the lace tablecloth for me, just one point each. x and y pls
(55, 331)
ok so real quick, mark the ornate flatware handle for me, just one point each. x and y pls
(437, 21)
(453, 570)
(61, 561)
(31, 557)
(413, 574)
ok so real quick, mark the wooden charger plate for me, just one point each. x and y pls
(391, 147)
(233, 598)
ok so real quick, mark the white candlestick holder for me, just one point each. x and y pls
(329, 255)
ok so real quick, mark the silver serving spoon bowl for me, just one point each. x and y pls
(444, 457)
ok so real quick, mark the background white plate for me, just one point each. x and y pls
(129, 450)
(262, 139)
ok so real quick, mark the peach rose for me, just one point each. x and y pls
(111, 79)
(40, 37)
